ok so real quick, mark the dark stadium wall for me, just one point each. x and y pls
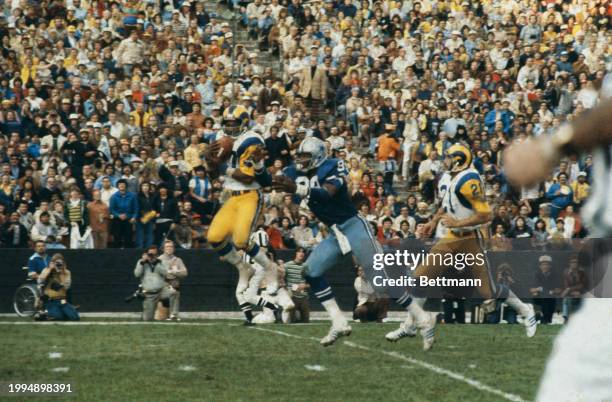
(102, 279)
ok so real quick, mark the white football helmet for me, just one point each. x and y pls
(311, 154)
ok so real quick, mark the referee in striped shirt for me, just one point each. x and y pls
(296, 284)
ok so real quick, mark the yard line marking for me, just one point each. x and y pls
(187, 368)
(314, 367)
(312, 338)
(438, 370)
(442, 371)
(86, 323)
(55, 355)
(60, 369)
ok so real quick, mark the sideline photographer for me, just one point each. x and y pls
(152, 274)
(55, 280)
(176, 272)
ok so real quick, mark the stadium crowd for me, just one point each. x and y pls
(107, 108)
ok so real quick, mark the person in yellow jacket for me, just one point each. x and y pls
(581, 188)
(141, 117)
(28, 71)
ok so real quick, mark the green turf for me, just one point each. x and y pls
(234, 363)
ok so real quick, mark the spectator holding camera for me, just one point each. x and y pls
(55, 281)
(152, 273)
(176, 271)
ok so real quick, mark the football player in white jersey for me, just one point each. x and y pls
(580, 366)
(249, 283)
(464, 215)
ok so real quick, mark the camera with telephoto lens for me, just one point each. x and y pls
(138, 294)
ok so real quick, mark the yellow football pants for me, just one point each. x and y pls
(471, 244)
(236, 218)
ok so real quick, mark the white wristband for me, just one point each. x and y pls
(229, 171)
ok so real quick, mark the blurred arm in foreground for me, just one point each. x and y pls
(528, 162)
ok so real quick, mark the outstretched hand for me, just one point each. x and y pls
(529, 162)
(284, 184)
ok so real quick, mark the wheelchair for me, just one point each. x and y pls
(27, 299)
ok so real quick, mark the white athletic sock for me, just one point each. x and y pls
(334, 312)
(517, 304)
(416, 309)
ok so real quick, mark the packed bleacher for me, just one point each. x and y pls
(108, 107)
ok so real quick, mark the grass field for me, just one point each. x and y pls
(222, 360)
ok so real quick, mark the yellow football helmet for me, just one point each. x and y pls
(460, 156)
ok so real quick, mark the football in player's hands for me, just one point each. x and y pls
(283, 183)
(220, 150)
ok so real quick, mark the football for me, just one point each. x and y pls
(225, 148)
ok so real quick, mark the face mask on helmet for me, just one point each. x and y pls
(447, 162)
(311, 154)
(232, 127)
(303, 161)
(459, 157)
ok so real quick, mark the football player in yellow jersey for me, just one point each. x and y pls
(462, 224)
(231, 227)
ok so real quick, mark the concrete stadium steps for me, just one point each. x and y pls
(241, 36)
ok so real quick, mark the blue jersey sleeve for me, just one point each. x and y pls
(334, 172)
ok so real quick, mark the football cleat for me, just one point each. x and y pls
(427, 328)
(402, 332)
(335, 333)
(530, 322)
